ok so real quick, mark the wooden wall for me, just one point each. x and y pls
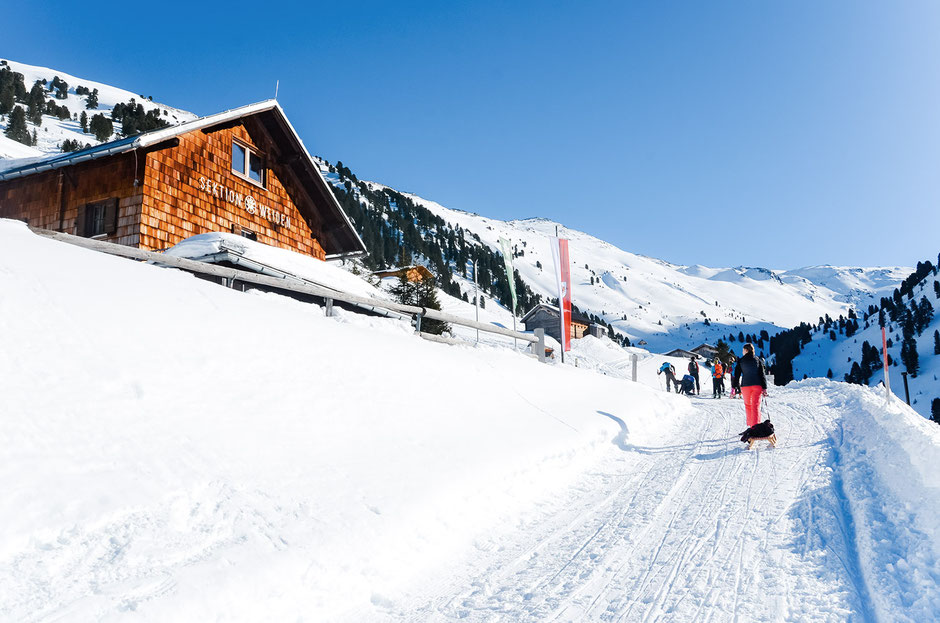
(51, 199)
(545, 319)
(169, 204)
(176, 206)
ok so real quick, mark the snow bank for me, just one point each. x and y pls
(175, 450)
(888, 457)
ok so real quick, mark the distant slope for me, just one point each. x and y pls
(53, 131)
(644, 298)
(838, 349)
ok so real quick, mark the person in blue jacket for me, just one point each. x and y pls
(670, 373)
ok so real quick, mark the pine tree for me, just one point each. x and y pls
(405, 291)
(924, 314)
(935, 410)
(19, 88)
(909, 356)
(6, 91)
(936, 342)
(83, 120)
(91, 101)
(35, 103)
(16, 126)
(427, 297)
(101, 127)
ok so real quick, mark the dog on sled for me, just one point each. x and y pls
(758, 432)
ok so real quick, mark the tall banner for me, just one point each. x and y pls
(563, 279)
(506, 246)
(884, 354)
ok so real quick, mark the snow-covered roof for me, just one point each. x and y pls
(575, 316)
(219, 247)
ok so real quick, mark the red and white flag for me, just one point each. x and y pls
(884, 354)
(563, 278)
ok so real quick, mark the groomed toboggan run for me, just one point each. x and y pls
(174, 450)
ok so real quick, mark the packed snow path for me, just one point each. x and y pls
(697, 529)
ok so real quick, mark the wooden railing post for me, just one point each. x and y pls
(539, 346)
(329, 307)
(418, 321)
(635, 358)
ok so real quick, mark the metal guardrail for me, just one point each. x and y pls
(230, 275)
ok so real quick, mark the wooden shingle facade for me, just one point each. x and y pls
(243, 171)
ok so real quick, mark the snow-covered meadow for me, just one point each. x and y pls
(176, 450)
(192, 452)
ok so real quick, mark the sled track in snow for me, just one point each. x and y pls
(698, 529)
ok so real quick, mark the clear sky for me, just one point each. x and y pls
(778, 134)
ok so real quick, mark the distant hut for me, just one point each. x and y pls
(413, 274)
(705, 351)
(679, 352)
(544, 316)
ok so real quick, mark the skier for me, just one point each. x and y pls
(749, 376)
(718, 373)
(735, 388)
(693, 370)
(688, 385)
(670, 375)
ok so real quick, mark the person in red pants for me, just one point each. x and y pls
(749, 376)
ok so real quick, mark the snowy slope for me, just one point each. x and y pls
(176, 450)
(10, 149)
(196, 451)
(666, 304)
(53, 130)
(823, 354)
(859, 286)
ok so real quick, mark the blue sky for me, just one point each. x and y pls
(723, 133)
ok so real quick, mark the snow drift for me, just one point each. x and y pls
(177, 450)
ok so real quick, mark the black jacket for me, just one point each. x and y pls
(749, 372)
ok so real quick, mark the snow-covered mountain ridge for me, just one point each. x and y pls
(649, 299)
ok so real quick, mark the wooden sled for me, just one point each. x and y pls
(772, 439)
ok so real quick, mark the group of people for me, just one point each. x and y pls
(748, 380)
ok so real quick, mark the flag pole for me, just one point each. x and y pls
(884, 351)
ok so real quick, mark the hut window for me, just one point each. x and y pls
(247, 233)
(97, 219)
(247, 163)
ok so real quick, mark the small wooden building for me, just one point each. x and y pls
(597, 330)
(705, 351)
(679, 352)
(546, 317)
(413, 274)
(243, 171)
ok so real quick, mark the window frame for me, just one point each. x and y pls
(245, 174)
(98, 216)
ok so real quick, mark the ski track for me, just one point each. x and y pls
(697, 529)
